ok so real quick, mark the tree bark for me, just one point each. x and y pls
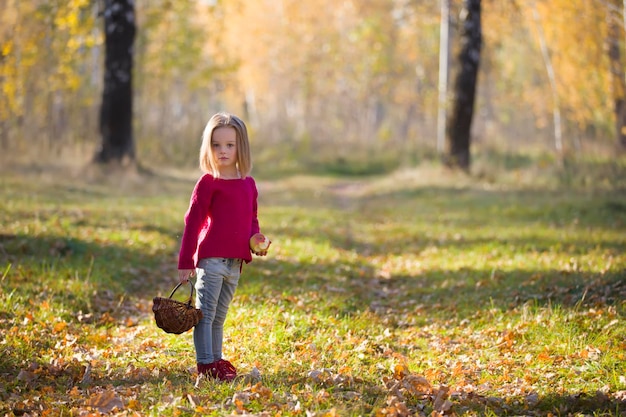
(615, 17)
(458, 135)
(444, 55)
(117, 144)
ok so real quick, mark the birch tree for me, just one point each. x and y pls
(615, 18)
(460, 122)
(117, 102)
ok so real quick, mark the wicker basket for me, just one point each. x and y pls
(175, 316)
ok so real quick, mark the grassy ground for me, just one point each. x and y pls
(414, 293)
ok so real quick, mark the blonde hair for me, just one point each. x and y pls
(207, 161)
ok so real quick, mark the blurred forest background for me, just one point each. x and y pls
(320, 83)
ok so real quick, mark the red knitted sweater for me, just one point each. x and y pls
(221, 219)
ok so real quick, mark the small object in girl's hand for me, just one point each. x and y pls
(259, 243)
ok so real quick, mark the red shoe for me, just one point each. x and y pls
(207, 369)
(225, 370)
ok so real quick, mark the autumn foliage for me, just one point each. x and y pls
(349, 80)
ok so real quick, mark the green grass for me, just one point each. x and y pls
(408, 293)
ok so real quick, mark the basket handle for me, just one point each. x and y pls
(190, 292)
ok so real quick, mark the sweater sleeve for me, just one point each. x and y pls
(255, 228)
(195, 218)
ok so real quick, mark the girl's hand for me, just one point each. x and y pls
(259, 244)
(185, 274)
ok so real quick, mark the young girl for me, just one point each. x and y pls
(221, 231)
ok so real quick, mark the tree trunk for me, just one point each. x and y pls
(460, 121)
(615, 18)
(117, 99)
(444, 55)
(547, 60)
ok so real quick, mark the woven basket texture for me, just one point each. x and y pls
(175, 316)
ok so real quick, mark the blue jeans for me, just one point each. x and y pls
(215, 287)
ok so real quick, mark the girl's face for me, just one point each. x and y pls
(224, 148)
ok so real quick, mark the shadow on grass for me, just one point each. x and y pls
(358, 287)
(54, 258)
(498, 221)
